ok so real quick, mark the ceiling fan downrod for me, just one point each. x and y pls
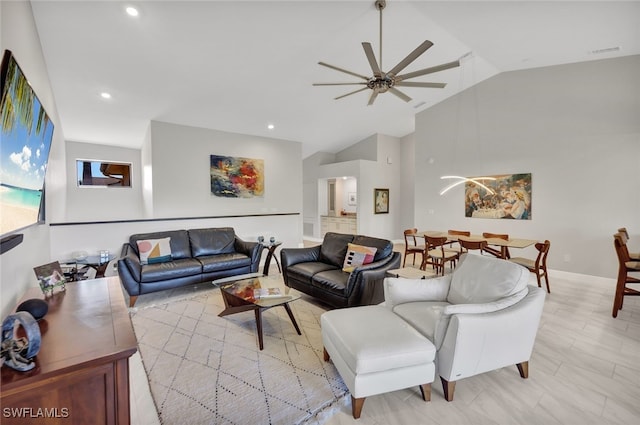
(380, 4)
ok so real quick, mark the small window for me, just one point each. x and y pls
(103, 174)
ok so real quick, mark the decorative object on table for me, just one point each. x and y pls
(50, 276)
(272, 239)
(104, 255)
(381, 201)
(80, 255)
(36, 307)
(261, 239)
(18, 352)
(508, 197)
(235, 177)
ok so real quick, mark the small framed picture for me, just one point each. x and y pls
(50, 276)
(381, 201)
(352, 198)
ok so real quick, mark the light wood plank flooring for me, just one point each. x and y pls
(585, 369)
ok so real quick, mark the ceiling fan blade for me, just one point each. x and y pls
(350, 93)
(372, 99)
(343, 70)
(428, 70)
(338, 84)
(416, 84)
(400, 94)
(411, 57)
(368, 50)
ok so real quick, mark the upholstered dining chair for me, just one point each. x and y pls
(625, 266)
(539, 265)
(494, 251)
(413, 246)
(437, 255)
(635, 256)
(467, 245)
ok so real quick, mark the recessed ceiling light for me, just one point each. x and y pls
(271, 126)
(105, 95)
(132, 11)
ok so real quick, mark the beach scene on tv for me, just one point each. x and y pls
(26, 141)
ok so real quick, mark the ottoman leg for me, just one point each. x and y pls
(325, 355)
(356, 406)
(425, 389)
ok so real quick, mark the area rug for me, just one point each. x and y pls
(205, 369)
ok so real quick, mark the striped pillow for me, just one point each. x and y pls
(154, 250)
(357, 255)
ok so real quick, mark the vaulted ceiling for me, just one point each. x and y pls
(239, 66)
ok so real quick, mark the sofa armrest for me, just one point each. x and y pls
(365, 283)
(130, 269)
(251, 249)
(477, 343)
(291, 256)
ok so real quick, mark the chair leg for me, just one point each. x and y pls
(617, 299)
(325, 355)
(523, 368)
(546, 279)
(356, 406)
(448, 388)
(132, 300)
(425, 390)
(537, 272)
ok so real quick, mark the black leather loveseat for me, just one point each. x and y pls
(318, 271)
(197, 255)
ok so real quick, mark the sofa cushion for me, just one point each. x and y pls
(170, 270)
(383, 246)
(214, 263)
(305, 271)
(479, 279)
(357, 255)
(334, 248)
(331, 280)
(154, 250)
(212, 241)
(180, 247)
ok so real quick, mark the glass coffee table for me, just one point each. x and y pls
(238, 294)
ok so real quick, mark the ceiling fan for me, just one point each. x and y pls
(382, 82)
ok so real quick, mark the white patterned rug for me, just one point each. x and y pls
(205, 369)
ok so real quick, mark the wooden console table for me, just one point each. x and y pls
(82, 369)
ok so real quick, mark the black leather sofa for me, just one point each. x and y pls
(317, 271)
(197, 255)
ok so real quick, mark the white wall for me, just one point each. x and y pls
(575, 128)
(18, 34)
(94, 203)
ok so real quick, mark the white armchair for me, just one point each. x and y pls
(482, 317)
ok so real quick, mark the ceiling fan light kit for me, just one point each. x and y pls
(382, 82)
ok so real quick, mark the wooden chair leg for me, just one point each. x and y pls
(546, 279)
(523, 368)
(325, 355)
(425, 390)
(132, 300)
(448, 388)
(356, 406)
(617, 299)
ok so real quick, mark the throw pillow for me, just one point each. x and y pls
(357, 255)
(154, 250)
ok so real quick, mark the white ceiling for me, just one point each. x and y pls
(240, 65)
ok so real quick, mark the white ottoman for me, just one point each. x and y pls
(376, 352)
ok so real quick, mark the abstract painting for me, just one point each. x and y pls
(505, 196)
(235, 177)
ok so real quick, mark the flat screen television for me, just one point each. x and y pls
(25, 142)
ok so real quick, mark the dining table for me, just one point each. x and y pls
(503, 244)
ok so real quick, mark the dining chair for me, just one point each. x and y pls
(500, 253)
(539, 265)
(467, 245)
(452, 243)
(437, 255)
(411, 245)
(635, 256)
(625, 266)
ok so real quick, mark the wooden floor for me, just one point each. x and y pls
(585, 369)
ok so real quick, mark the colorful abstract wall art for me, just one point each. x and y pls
(235, 177)
(511, 198)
